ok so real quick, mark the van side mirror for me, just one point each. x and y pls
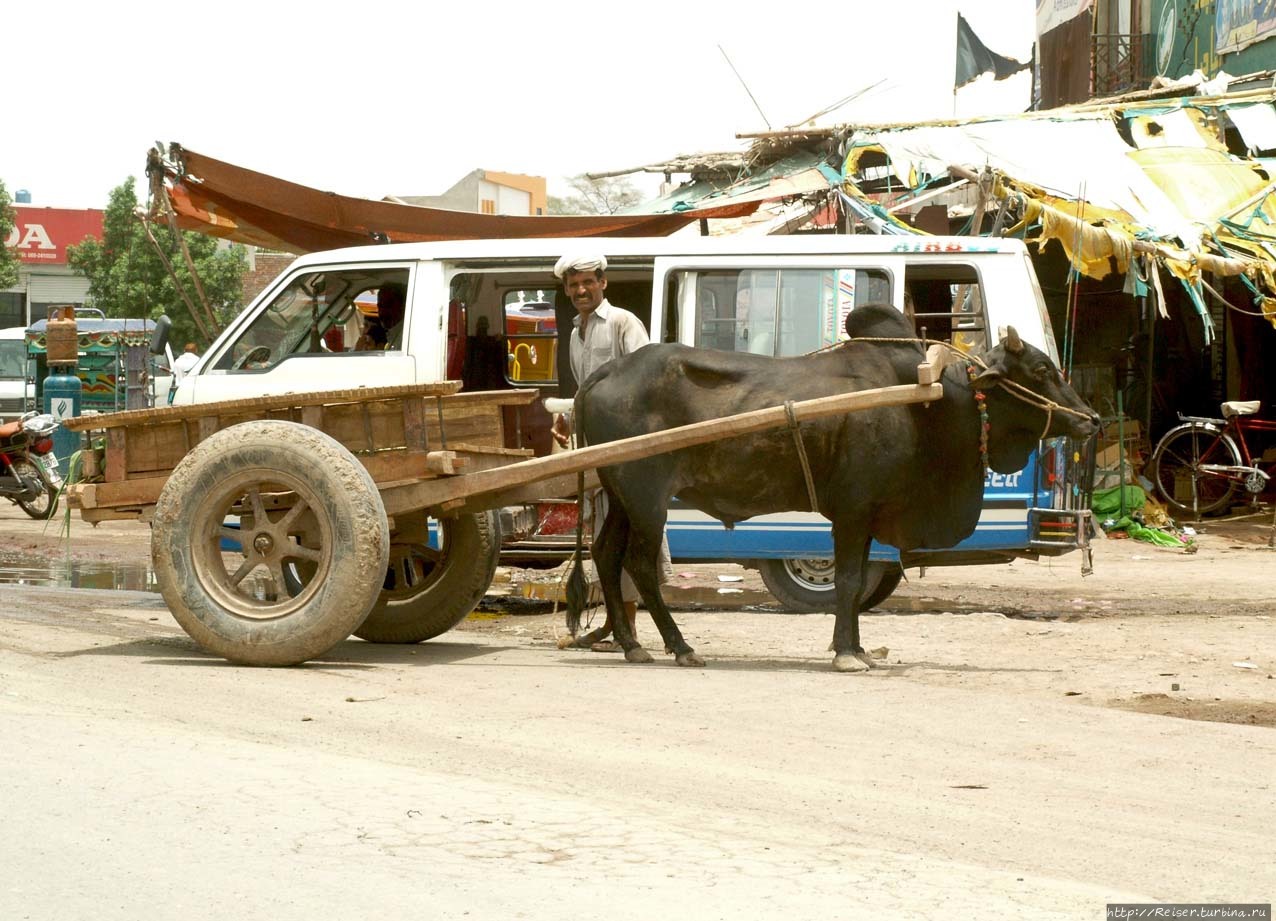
(159, 338)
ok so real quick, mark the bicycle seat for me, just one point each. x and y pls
(1235, 408)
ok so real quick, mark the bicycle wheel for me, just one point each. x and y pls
(1176, 470)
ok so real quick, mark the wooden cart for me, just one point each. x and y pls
(281, 525)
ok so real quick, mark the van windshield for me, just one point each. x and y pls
(13, 360)
(318, 313)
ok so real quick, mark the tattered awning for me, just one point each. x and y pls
(794, 176)
(1153, 177)
(217, 198)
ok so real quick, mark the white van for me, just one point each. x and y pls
(17, 391)
(491, 313)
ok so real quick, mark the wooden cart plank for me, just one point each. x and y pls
(386, 467)
(261, 407)
(549, 490)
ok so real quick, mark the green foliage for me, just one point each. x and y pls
(8, 257)
(127, 278)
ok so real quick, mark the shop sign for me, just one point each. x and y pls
(1053, 13)
(41, 235)
(1240, 23)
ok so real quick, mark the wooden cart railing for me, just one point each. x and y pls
(401, 434)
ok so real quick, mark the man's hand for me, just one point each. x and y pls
(562, 430)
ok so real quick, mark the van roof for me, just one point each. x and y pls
(621, 247)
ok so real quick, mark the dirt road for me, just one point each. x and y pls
(994, 767)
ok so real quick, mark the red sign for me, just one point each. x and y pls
(42, 234)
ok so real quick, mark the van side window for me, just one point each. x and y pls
(13, 360)
(520, 322)
(318, 313)
(780, 312)
(947, 301)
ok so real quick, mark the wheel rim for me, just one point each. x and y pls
(815, 575)
(1180, 462)
(413, 568)
(283, 531)
(44, 501)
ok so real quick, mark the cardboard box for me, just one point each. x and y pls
(1113, 431)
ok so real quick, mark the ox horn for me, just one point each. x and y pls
(1013, 343)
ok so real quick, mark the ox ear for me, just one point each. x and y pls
(989, 378)
(1010, 339)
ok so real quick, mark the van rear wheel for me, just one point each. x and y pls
(806, 586)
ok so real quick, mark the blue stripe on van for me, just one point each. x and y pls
(1003, 525)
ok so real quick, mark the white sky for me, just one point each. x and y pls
(372, 98)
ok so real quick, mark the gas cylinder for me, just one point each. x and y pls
(61, 338)
(63, 394)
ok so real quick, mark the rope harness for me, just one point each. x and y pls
(801, 450)
(974, 362)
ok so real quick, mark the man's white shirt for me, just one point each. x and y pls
(183, 363)
(610, 333)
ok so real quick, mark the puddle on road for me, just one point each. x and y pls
(135, 577)
(16, 569)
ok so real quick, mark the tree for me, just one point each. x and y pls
(128, 278)
(8, 257)
(595, 196)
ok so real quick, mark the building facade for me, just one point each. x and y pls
(487, 192)
(1096, 48)
(1214, 35)
(41, 237)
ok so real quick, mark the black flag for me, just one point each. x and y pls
(974, 58)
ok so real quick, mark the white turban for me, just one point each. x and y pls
(580, 262)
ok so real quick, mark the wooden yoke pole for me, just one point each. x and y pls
(448, 494)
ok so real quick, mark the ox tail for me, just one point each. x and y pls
(577, 590)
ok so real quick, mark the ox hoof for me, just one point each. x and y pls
(568, 642)
(638, 655)
(690, 660)
(849, 662)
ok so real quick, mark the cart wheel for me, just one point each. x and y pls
(306, 507)
(806, 586)
(429, 591)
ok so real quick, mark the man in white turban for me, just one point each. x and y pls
(602, 332)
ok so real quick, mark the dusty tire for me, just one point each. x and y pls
(428, 592)
(332, 522)
(806, 586)
(44, 505)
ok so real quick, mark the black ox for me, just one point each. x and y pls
(911, 476)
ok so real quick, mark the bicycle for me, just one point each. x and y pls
(1200, 465)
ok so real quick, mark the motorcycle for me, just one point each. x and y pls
(28, 467)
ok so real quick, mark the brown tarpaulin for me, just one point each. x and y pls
(223, 200)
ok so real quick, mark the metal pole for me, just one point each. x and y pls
(1121, 447)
